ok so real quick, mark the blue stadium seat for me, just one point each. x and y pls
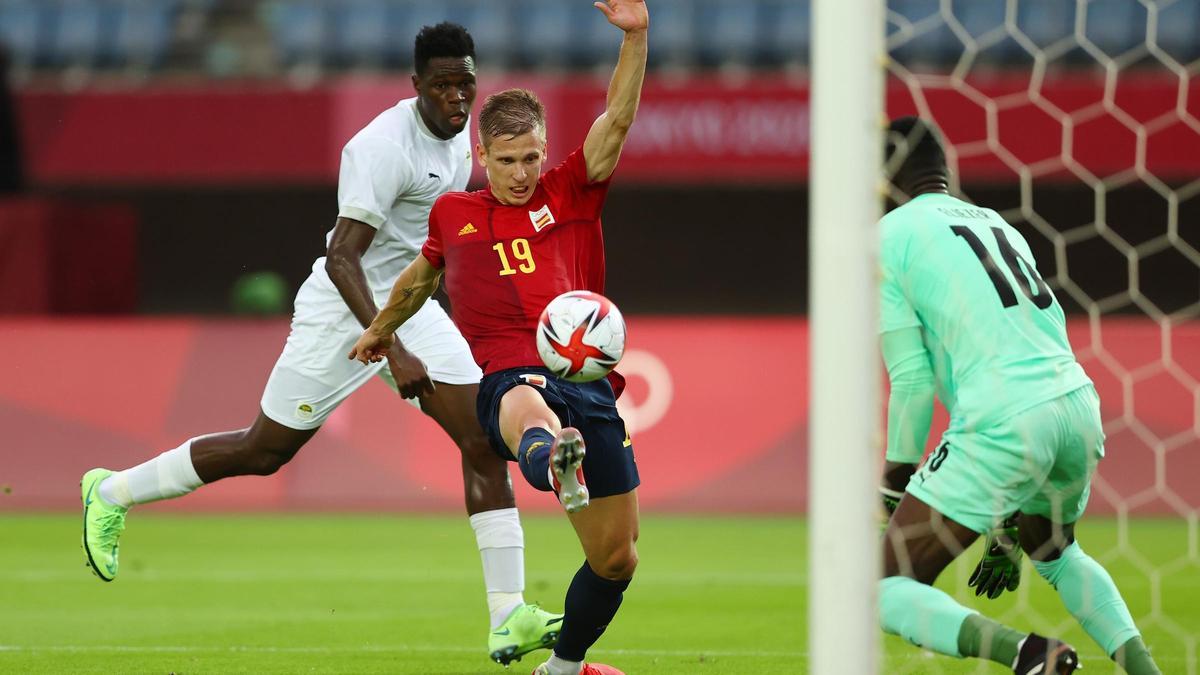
(1045, 23)
(361, 34)
(675, 34)
(1179, 30)
(78, 33)
(788, 31)
(979, 17)
(934, 42)
(984, 21)
(729, 32)
(595, 40)
(301, 30)
(546, 35)
(490, 25)
(22, 30)
(1116, 26)
(142, 30)
(416, 14)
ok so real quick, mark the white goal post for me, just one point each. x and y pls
(845, 182)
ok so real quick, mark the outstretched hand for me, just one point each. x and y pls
(628, 15)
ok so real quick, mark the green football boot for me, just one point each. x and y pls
(103, 524)
(527, 628)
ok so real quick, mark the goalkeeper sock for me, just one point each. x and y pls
(987, 639)
(533, 456)
(921, 614)
(1135, 658)
(1089, 594)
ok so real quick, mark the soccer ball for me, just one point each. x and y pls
(581, 336)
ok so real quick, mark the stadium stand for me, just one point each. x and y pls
(333, 35)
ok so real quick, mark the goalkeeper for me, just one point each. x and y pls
(964, 314)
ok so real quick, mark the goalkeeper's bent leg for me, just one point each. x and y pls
(929, 618)
(1089, 594)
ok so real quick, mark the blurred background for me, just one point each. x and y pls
(168, 172)
(167, 164)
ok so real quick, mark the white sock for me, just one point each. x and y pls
(559, 666)
(167, 476)
(502, 549)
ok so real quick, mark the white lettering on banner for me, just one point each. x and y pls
(721, 128)
(641, 416)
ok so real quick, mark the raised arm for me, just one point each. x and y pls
(604, 141)
(416, 283)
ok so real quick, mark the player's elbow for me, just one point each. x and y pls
(337, 263)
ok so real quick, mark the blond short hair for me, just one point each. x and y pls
(511, 113)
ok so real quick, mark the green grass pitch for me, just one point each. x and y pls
(382, 594)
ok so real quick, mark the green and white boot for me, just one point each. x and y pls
(528, 628)
(103, 524)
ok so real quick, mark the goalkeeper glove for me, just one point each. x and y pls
(1000, 567)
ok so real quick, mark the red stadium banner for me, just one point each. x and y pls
(691, 129)
(718, 410)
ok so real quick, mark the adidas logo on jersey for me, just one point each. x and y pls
(467, 229)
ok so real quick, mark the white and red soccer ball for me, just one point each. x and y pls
(581, 336)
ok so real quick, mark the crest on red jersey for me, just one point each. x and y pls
(541, 218)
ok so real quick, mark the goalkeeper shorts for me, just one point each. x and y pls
(1039, 461)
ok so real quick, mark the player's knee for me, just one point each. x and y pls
(1043, 540)
(477, 452)
(260, 460)
(265, 463)
(620, 563)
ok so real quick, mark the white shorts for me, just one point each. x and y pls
(313, 374)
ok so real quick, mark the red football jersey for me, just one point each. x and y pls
(505, 263)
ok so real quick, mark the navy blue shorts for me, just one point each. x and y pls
(609, 468)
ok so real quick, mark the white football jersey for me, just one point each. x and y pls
(391, 173)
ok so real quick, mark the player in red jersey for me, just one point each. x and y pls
(506, 251)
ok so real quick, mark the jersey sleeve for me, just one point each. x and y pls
(570, 178)
(374, 173)
(432, 249)
(895, 310)
(910, 401)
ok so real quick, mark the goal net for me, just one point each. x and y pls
(1079, 122)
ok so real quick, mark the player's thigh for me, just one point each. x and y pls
(920, 541)
(978, 478)
(608, 531)
(1063, 497)
(1044, 539)
(510, 401)
(452, 406)
(312, 375)
(523, 407)
(609, 467)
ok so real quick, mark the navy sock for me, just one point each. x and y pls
(592, 602)
(533, 456)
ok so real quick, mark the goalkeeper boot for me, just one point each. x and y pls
(1045, 656)
(103, 524)
(588, 669)
(566, 469)
(527, 628)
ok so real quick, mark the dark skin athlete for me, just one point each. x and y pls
(445, 91)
